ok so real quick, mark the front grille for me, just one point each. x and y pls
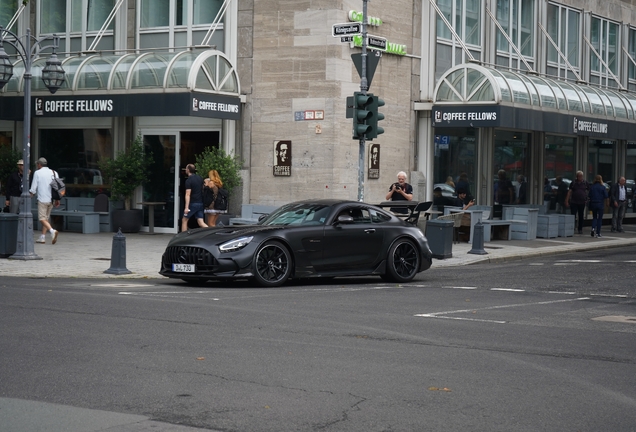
(200, 257)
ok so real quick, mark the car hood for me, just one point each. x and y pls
(218, 234)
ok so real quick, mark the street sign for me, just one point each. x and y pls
(372, 64)
(346, 29)
(346, 38)
(376, 42)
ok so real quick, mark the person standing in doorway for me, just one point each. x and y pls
(41, 186)
(193, 198)
(562, 192)
(618, 203)
(522, 190)
(505, 189)
(577, 197)
(14, 188)
(598, 200)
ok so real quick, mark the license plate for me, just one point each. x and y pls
(183, 268)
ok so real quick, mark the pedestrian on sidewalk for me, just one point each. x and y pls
(193, 198)
(618, 203)
(41, 186)
(577, 198)
(598, 200)
(562, 192)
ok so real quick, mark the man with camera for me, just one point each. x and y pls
(400, 191)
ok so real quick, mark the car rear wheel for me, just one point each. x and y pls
(403, 261)
(272, 264)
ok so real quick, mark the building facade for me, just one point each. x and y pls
(534, 87)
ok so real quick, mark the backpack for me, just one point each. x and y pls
(208, 196)
(220, 202)
(58, 188)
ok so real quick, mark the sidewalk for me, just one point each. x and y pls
(88, 255)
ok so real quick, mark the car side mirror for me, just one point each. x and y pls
(344, 220)
(263, 216)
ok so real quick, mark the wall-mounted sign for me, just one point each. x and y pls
(356, 16)
(374, 161)
(584, 127)
(135, 105)
(282, 158)
(309, 115)
(346, 29)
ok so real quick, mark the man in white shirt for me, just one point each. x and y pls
(41, 185)
(618, 203)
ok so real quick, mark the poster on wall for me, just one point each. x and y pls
(374, 161)
(282, 158)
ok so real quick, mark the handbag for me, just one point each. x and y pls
(58, 188)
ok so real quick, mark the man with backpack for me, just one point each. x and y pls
(193, 198)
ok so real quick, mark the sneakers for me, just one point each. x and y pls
(592, 233)
(598, 235)
(613, 230)
(580, 231)
(41, 240)
(54, 235)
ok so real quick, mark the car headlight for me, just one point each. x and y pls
(236, 244)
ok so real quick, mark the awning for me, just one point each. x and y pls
(486, 97)
(131, 85)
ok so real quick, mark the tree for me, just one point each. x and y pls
(227, 165)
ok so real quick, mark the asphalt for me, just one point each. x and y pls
(90, 255)
(78, 255)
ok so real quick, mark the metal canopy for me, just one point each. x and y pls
(474, 84)
(206, 70)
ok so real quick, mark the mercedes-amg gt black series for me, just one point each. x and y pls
(313, 238)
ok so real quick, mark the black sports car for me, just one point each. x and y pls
(324, 238)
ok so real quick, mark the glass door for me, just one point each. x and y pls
(159, 188)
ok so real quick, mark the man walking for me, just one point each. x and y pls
(193, 198)
(14, 188)
(618, 203)
(41, 185)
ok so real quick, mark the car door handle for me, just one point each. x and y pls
(369, 231)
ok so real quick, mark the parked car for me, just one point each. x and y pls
(630, 185)
(314, 238)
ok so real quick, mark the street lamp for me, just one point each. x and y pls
(28, 48)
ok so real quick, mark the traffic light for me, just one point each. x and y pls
(361, 113)
(374, 130)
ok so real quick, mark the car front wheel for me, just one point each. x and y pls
(272, 264)
(403, 261)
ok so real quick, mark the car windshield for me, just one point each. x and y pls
(298, 214)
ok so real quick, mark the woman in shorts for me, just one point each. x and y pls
(214, 182)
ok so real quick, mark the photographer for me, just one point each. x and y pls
(400, 191)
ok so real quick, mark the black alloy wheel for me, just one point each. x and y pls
(272, 264)
(403, 261)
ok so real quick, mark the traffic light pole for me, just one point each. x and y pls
(364, 86)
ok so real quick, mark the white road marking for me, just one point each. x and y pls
(609, 295)
(566, 263)
(164, 295)
(460, 287)
(536, 264)
(442, 314)
(580, 261)
(507, 289)
(122, 285)
(562, 292)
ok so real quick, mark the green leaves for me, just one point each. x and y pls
(228, 166)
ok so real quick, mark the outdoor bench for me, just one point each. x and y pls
(523, 222)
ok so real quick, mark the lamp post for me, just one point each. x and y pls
(28, 48)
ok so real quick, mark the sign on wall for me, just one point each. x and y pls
(374, 161)
(282, 158)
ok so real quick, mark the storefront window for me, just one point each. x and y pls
(455, 154)
(630, 162)
(559, 158)
(599, 160)
(510, 155)
(75, 154)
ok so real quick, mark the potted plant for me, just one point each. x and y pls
(125, 173)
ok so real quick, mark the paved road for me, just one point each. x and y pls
(538, 344)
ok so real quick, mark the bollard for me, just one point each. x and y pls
(118, 255)
(478, 240)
